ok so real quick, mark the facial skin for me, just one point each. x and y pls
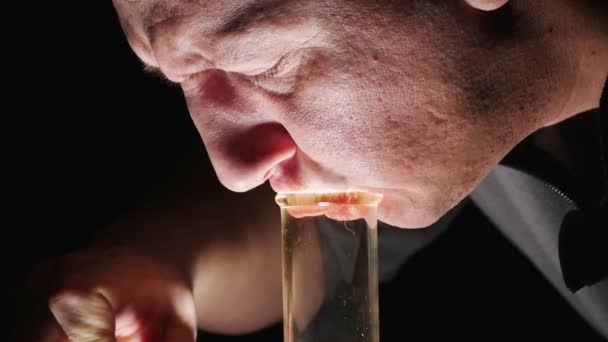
(417, 100)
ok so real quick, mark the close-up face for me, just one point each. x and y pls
(417, 100)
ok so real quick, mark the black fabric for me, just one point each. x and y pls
(584, 232)
(604, 140)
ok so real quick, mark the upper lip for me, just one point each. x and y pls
(285, 177)
(300, 173)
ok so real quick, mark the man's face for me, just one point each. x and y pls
(417, 100)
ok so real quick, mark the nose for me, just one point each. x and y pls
(237, 120)
(239, 124)
(248, 158)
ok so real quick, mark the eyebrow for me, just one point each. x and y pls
(249, 14)
(254, 11)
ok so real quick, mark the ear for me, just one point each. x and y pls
(487, 5)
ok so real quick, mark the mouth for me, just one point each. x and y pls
(302, 174)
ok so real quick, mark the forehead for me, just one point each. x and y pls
(212, 15)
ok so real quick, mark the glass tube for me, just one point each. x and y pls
(330, 271)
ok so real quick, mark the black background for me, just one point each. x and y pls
(93, 133)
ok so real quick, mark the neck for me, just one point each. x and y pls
(581, 32)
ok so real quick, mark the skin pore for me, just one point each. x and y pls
(416, 100)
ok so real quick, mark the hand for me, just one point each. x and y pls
(108, 296)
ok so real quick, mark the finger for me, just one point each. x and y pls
(84, 317)
(133, 325)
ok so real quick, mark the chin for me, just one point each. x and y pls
(404, 212)
(415, 221)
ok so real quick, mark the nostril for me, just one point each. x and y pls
(248, 158)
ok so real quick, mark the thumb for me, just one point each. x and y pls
(84, 317)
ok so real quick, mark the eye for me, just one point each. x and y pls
(268, 79)
(277, 70)
(279, 79)
(282, 77)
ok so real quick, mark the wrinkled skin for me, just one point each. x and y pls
(417, 100)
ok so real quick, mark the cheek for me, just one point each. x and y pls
(341, 120)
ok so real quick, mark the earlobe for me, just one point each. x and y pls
(487, 5)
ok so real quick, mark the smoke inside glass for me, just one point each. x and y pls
(330, 271)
